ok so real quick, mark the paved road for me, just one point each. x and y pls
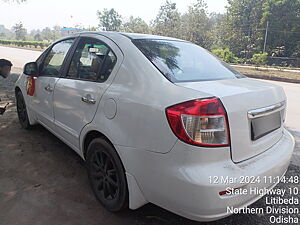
(42, 181)
(293, 106)
(19, 57)
(293, 114)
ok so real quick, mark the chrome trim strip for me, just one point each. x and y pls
(255, 113)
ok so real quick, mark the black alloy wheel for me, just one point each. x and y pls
(22, 111)
(107, 175)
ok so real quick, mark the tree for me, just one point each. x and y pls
(110, 20)
(51, 34)
(196, 24)
(216, 32)
(20, 31)
(5, 33)
(284, 25)
(167, 21)
(242, 27)
(245, 26)
(46, 34)
(56, 32)
(136, 25)
(38, 37)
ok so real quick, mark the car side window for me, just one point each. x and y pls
(93, 60)
(55, 58)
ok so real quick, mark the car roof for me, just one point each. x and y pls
(147, 36)
(131, 36)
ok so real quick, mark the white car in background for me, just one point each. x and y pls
(158, 120)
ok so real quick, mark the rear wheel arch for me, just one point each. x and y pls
(90, 136)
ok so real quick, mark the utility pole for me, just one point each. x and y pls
(266, 36)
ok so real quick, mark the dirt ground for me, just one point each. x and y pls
(42, 181)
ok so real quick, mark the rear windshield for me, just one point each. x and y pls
(181, 61)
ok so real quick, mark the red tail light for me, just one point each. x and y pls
(200, 122)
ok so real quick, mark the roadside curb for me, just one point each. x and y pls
(288, 80)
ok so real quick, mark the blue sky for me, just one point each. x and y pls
(41, 13)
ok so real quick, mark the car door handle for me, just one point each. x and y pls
(48, 88)
(88, 99)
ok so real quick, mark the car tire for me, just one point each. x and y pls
(22, 111)
(107, 175)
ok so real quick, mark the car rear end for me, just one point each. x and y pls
(255, 111)
(236, 147)
(233, 139)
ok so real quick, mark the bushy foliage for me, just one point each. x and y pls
(109, 19)
(136, 25)
(260, 59)
(35, 44)
(226, 55)
(196, 25)
(167, 21)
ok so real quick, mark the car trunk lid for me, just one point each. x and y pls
(255, 112)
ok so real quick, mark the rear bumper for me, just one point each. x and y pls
(179, 181)
(202, 200)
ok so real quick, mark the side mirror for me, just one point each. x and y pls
(31, 69)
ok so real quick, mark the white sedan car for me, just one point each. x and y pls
(159, 120)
